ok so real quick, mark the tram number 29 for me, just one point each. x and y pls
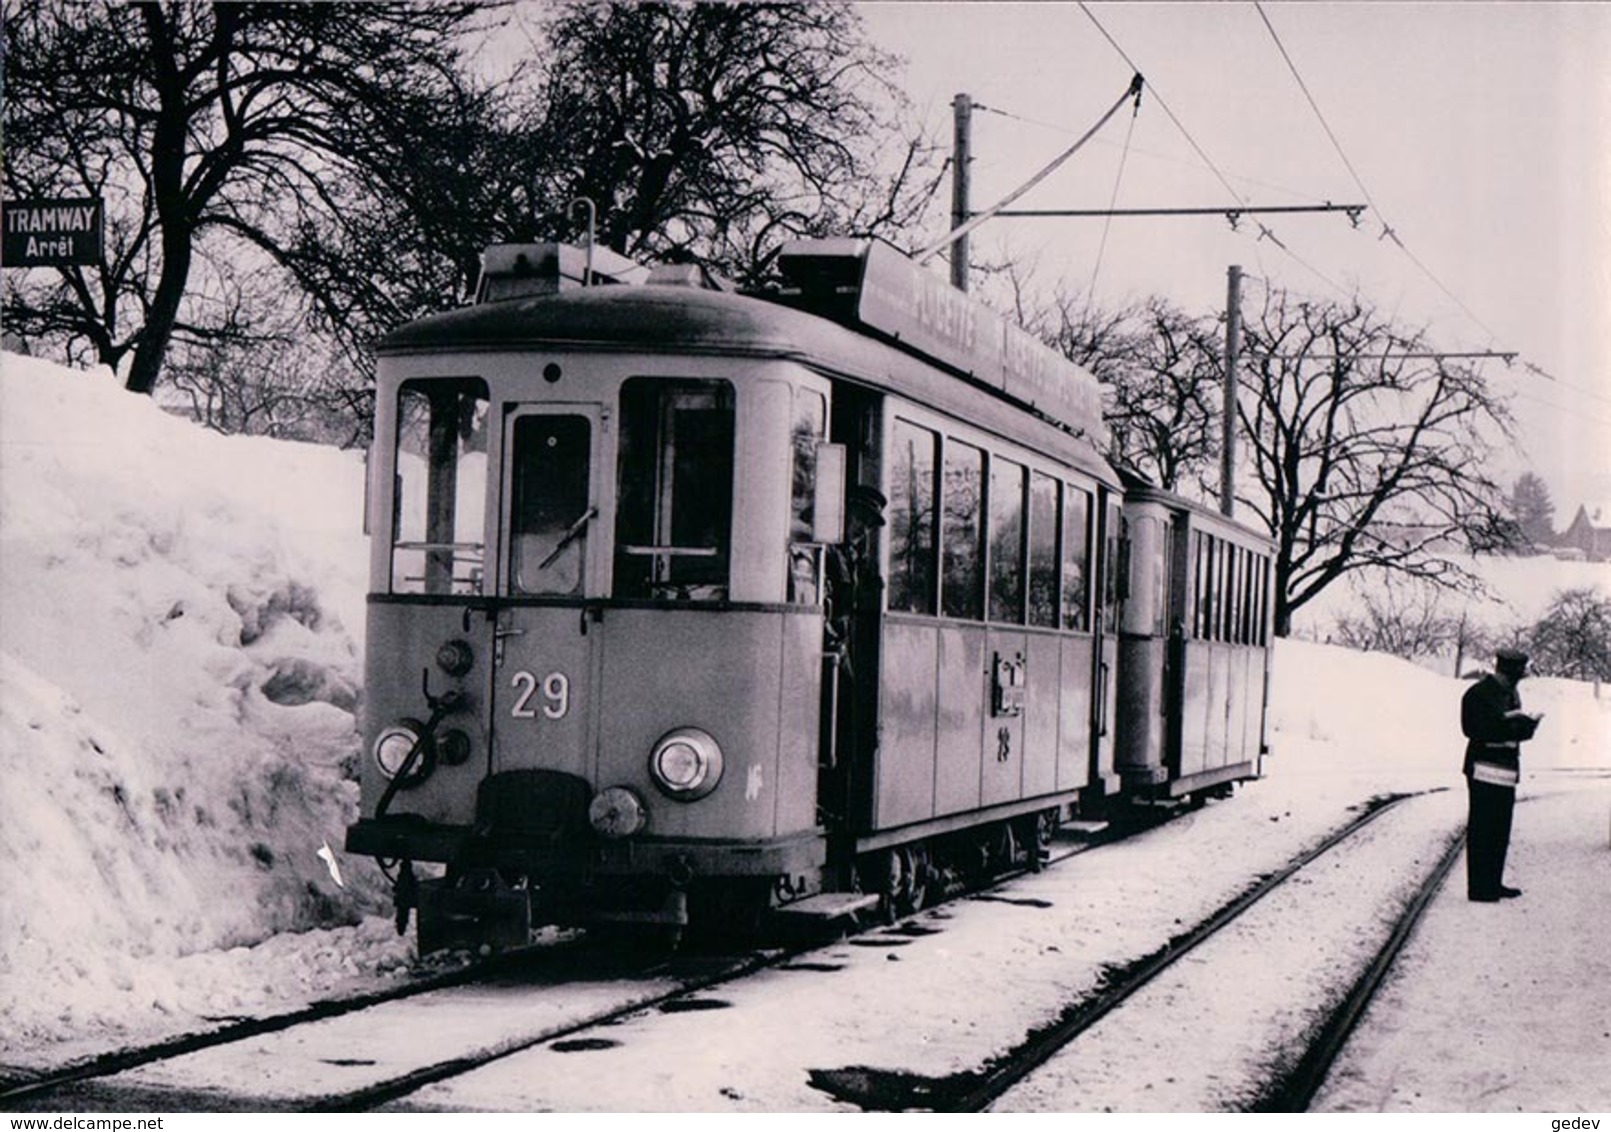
(556, 694)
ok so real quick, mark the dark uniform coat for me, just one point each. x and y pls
(1493, 723)
(1492, 719)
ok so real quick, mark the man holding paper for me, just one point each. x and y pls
(1493, 721)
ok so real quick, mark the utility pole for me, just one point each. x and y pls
(962, 116)
(1233, 346)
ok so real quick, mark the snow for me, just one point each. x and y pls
(180, 626)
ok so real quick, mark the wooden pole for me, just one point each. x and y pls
(962, 116)
(1233, 346)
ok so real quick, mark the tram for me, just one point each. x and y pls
(691, 606)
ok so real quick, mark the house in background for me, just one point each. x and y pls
(1589, 533)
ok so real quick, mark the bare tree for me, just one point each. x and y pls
(1364, 452)
(1573, 638)
(1402, 618)
(1163, 370)
(716, 131)
(207, 124)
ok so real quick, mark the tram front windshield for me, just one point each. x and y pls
(674, 512)
(438, 539)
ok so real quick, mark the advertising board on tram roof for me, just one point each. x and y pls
(922, 311)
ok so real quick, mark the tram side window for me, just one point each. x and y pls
(1076, 558)
(1260, 591)
(1246, 620)
(912, 467)
(674, 509)
(1238, 559)
(439, 501)
(962, 533)
(1202, 613)
(805, 558)
(1226, 591)
(1006, 541)
(1112, 562)
(1044, 500)
(1162, 556)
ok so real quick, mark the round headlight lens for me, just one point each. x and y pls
(616, 812)
(686, 764)
(392, 747)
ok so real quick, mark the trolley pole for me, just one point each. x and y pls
(962, 117)
(1233, 345)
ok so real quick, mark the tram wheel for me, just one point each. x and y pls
(892, 878)
(915, 879)
(1036, 835)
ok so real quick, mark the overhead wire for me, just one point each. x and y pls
(1265, 232)
(1143, 151)
(1133, 91)
(1113, 198)
(1388, 231)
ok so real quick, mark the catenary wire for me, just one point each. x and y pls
(1388, 231)
(1265, 232)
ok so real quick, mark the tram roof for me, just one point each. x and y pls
(1139, 489)
(656, 318)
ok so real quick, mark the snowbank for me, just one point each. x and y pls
(178, 683)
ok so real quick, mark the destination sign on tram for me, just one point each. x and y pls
(919, 309)
(52, 233)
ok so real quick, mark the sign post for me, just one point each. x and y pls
(52, 233)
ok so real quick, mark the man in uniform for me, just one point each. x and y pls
(854, 598)
(1492, 719)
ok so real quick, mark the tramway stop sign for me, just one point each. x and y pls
(51, 233)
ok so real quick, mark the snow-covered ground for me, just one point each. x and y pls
(180, 622)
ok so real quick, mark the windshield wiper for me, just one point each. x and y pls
(568, 537)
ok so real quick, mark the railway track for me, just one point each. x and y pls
(1289, 1089)
(90, 1082)
(159, 1077)
(24, 1085)
(94, 1084)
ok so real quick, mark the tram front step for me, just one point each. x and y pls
(1083, 830)
(829, 905)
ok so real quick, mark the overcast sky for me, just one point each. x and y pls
(1481, 133)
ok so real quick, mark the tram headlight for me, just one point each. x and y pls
(686, 764)
(616, 812)
(392, 747)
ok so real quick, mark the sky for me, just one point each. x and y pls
(1479, 133)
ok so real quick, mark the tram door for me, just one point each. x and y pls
(1111, 579)
(543, 654)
